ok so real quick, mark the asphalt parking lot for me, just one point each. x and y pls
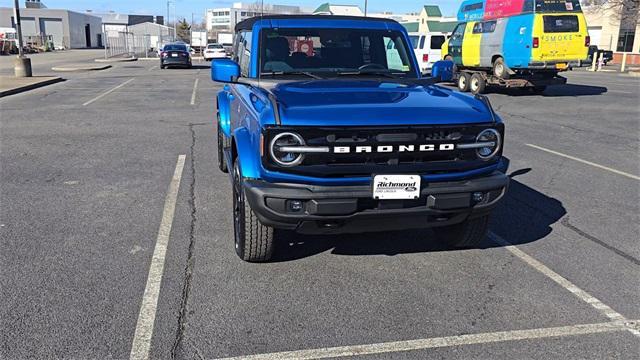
(91, 169)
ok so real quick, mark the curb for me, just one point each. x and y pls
(28, 87)
(73, 68)
(111, 60)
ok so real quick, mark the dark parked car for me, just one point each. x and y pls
(593, 50)
(175, 55)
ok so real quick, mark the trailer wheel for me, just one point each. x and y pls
(500, 69)
(477, 84)
(463, 82)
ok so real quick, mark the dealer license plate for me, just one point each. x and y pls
(394, 187)
(174, 55)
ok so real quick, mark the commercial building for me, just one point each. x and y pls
(339, 10)
(63, 28)
(225, 19)
(615, 28)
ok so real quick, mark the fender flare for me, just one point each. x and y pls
(247, 151)
(224, 110)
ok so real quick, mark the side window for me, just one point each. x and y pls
(436, 42)
(244, 52)
(484, 27)
(422, 39)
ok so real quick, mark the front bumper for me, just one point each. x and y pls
(351, 209)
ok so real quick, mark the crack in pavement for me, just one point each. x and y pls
(188, 271)
(565, 222)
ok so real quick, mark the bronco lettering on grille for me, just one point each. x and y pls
(392, 148)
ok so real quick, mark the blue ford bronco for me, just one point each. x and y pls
(326, 126)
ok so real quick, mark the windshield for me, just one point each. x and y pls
(335, 51)
(175, 47)
(214, 46)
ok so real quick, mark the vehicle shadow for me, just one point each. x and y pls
(553, 91)
(524, 216)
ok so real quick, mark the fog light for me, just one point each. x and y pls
(478, 196)
(295, 205)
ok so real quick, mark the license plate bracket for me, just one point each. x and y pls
(396, 187)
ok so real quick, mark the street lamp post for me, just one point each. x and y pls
(22, 64)
(365, 7)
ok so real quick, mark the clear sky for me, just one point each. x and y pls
(184, 8)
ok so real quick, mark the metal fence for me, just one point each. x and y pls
(127, 44)
(134, 45)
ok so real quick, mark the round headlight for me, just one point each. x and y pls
(488, 136)
(283, 158)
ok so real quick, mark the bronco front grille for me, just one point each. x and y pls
(354, 163)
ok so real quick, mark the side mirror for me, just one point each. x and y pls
(225, 71)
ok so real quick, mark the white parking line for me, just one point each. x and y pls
(583, 295)
(439, 342)
(147, 315)
(193, 94)
(585, 162)
(108, 92)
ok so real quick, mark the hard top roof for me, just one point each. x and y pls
(248, 23)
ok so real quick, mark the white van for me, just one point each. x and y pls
(428, 48)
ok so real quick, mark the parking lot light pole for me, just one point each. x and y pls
(22, 64)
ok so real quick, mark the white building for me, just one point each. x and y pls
(339, 10)
(225, 19)
(63, 28)
(401, 18)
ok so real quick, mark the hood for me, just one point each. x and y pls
(375, 103)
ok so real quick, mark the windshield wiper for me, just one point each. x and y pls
(360, 72)
(305, 73)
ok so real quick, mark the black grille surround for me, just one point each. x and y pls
(332, 165)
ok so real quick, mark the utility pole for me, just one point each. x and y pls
(22, 64)
(366, 3)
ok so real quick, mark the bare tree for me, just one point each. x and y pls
(627, 11)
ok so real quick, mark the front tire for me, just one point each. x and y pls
(468, 234)
(463, 82)
(253, 240)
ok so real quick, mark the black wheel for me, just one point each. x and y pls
(161, 67)
(463, 81)
(468, 234)
(222, 144)
(500, 69)
(253, 241)
(477, 84)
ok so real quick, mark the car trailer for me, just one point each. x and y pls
(477, 81)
